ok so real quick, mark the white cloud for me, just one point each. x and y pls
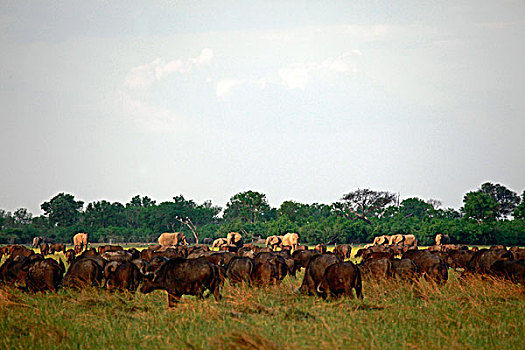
(205, 57)
(341, 64)
(224, 87)
(142, 77)
(298, 75)
(148, 117)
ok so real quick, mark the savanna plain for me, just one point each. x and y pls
(474, 312)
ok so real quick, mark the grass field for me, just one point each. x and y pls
(462, 314)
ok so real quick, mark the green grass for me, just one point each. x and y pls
(462, 314)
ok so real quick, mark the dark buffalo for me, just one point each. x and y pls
(343, 251)
(220, 258)
(11, 270)
(44, 249)
(405, 269)
(57, 247)
(459, 259)
(110, 268)
(89, 252)
(378, 255)
(126, 276)
(519, 253)
(170, 252)
(239, 270)
(265, 273)
(373, 249)
(109, 248)
(432, 266)
(302, 257)
(246, 252)
(513, 270)
(208, 241)
(135, 253)
(292, 265)
(44, 275)
(18, 250)
(120, 256)
(378, 269)
(141, 264)
(270, 268)
(197, 248)
(147, 254)
(180, 276)
(483, 259)
(199, 254)
(83, 272)
(315, 271)
(155, 263)
(339, 279)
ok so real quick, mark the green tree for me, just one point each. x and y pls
(506, 199)
(141, 202)
(366, 203)
(519, 211)
(136, 209)
(249, 206)
(6, 219)
(415, 207)
(104, 214)
(62, 210)
(22, 217)
(480, 206)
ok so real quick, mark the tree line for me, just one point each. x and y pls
(491, 214)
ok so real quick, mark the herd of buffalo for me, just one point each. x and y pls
(181, 269)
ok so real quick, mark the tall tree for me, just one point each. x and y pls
(519, 211)
(480, 206)
(4, 217)
(506, 199)
(366, 203)
(62, 210)
(415, 207)
(22, 217)
(249, 206)
(104, 214)
(136, 210)
(142, 202)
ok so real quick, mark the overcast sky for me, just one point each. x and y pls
(302, 101)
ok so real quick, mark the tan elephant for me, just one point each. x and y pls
(80, 240)
(442, 239)
(396, 239)
(290, 240)
(274, 241)
(410, 241)
(381, 240)
(235, 238)
(168, 239)
(36, 242)
(219, 243)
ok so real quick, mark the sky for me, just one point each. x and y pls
(302, 101)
